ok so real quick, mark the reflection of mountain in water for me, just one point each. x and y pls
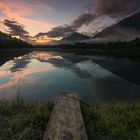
(6, 55)
(113, 88)
(123, 67)
(52, 72)
(106, 85)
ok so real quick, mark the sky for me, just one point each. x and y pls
(46, 20)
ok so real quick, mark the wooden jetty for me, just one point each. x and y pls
(66, 121)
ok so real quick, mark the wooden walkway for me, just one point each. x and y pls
(66, 121)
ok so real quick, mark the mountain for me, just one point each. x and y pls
(126, 30)
(6, 41)
(4, 36)
(73, 38)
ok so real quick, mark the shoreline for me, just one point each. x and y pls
(123, 53)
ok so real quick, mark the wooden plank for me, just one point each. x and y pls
(66, 121)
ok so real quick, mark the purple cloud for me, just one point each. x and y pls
(15, 28)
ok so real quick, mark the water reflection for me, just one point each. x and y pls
(45, 74)
(123, 67)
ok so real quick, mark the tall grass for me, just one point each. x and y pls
(112, 122)
(20, 121)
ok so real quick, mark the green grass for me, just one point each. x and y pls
(20, 121)
(112, 122)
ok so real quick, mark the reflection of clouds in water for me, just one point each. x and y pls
(4, 73)
(44, 56)
(69, 62)
(42, 70)
(14, 80)
(93, 69)
(27, 74)
(18, 65)
(19, 70)
(81, 66)
(106, 85)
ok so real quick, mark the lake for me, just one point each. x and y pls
(40, 75)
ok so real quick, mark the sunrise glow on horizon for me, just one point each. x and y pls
(43, 21)
(39, 16)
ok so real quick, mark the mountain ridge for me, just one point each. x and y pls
(125, 30)
(6, 41)
(71, 39)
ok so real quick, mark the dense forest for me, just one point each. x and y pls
(131, 46)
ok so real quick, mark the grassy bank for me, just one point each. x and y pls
(112, 122)
(19, 121)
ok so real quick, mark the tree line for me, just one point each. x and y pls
(7, 41)
(129, 46)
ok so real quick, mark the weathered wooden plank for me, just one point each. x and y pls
(66, 121)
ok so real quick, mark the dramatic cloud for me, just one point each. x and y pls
(83, 19)
(117, 7)
(15, 28)
(41, 34)
(97, 8)
(36, 14)
(29, 13)
(61, 31)
(66, 30)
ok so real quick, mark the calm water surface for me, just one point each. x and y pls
(40, 76)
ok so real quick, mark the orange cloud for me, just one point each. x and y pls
(46, 39)
(21, 10)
